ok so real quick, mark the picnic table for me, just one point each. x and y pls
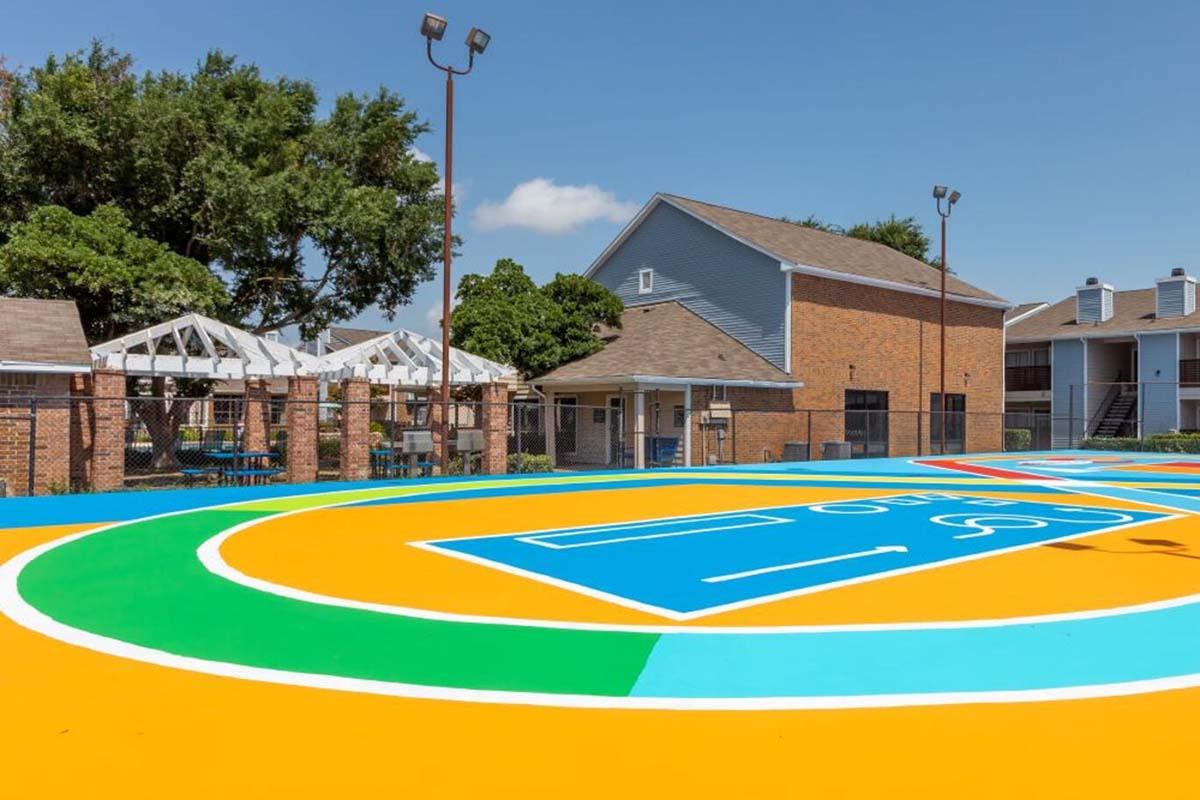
(246, 467)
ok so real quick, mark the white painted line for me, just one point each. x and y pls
(541, 539)
(750, 573)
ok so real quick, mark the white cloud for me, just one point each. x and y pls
(544, 206)
(419, 154)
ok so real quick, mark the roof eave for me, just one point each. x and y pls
(849, 277)
(669, 380)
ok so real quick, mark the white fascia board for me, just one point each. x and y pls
(670, 381)
(42, 367)
(1027, 314)
(1103, 335)
(832, 274)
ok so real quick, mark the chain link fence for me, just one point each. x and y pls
(52, 445)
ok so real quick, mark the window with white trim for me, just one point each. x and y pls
(645, 281)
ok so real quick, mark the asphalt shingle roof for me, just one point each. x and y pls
(815, 248)
(667, 340)
(1133, 312)
(42, 332)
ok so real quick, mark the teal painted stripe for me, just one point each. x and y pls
(1140, 646)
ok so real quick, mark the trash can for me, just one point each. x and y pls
(834, 451)
(795, 451)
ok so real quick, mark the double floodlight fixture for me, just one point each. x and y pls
(433, 28)
(951, 196)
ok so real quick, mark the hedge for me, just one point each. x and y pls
(1156, 443)
(1017, 439)
(529, 462)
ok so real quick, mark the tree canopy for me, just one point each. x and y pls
(507, 317)
(904, 234)
(120, 281)
(232, 170)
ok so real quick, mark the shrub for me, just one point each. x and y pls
(1155, 443)
(329, 447)
(1112, 443)
(377, 427)
(1017, 439)
(190, 434)
(455, 466)
(528, 462)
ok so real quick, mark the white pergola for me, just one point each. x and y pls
(195, 346)
(406, 359)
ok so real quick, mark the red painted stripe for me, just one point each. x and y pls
(990, 472)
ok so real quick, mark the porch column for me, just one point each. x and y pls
(687, 424)
(551, 426)
(97, 435)
(256, 414)
(301, 419)
(639, 427)
(355, 457)
(495, 429)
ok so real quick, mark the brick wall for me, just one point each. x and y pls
(438, 431)
(355, 457)
(97, 431)
(494, 423)
(301, 419)
(256, 415)
(52, 452)
(848, 336)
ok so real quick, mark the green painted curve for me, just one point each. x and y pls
(142, 583)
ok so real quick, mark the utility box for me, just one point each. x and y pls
(416, 442)
(795, 451)
(835, 451)
(470, 441)
(719, 410)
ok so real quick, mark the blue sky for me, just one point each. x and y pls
(1072, 128)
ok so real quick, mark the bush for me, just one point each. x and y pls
(190, 435)
(528, 462)
(377, 427)
(455, 467)
(1017, 439)
(1156, 443)
(329, 447)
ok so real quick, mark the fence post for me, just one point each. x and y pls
(33, 404)
(1071, 419)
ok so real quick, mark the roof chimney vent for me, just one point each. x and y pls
(1093, 302)
(1176, 295)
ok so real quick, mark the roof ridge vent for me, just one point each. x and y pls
(1175, 295)
(1093, 302)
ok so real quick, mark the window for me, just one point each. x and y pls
(677, 416)
(956, 423)
(645, 281)
(19, 380)
(1027, 358)
(227, 410)
(568, 424)
(867, 423)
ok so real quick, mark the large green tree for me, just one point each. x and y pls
(309, 218)
(119, 281)
(507, 317)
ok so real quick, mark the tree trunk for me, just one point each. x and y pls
(163, 419)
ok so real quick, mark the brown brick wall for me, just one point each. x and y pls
(97, 425)
(891, 339)
(438, 432)
(256, 415)
(301, 419)
(52, 452)
(355, 457)
(847, 336)
(494, 423)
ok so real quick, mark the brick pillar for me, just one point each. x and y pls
(301, 419)
(106, 471)
(256, 414)
(494, 415)
(437, 427)
(355, 456)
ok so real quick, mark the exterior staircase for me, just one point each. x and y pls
(1116, 418)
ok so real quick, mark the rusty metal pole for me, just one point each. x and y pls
(447, 244)
(942, 389)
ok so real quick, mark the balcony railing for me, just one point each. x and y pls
(1189, 370)
(1027, 379)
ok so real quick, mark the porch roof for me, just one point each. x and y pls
(405, 358)
(666, 343)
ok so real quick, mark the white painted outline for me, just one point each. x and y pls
(15, 607)
(540, 540)
(882, 549)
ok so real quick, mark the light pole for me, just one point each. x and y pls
(433, 28)
(939, 193)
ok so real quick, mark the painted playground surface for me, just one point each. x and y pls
(973, 626)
